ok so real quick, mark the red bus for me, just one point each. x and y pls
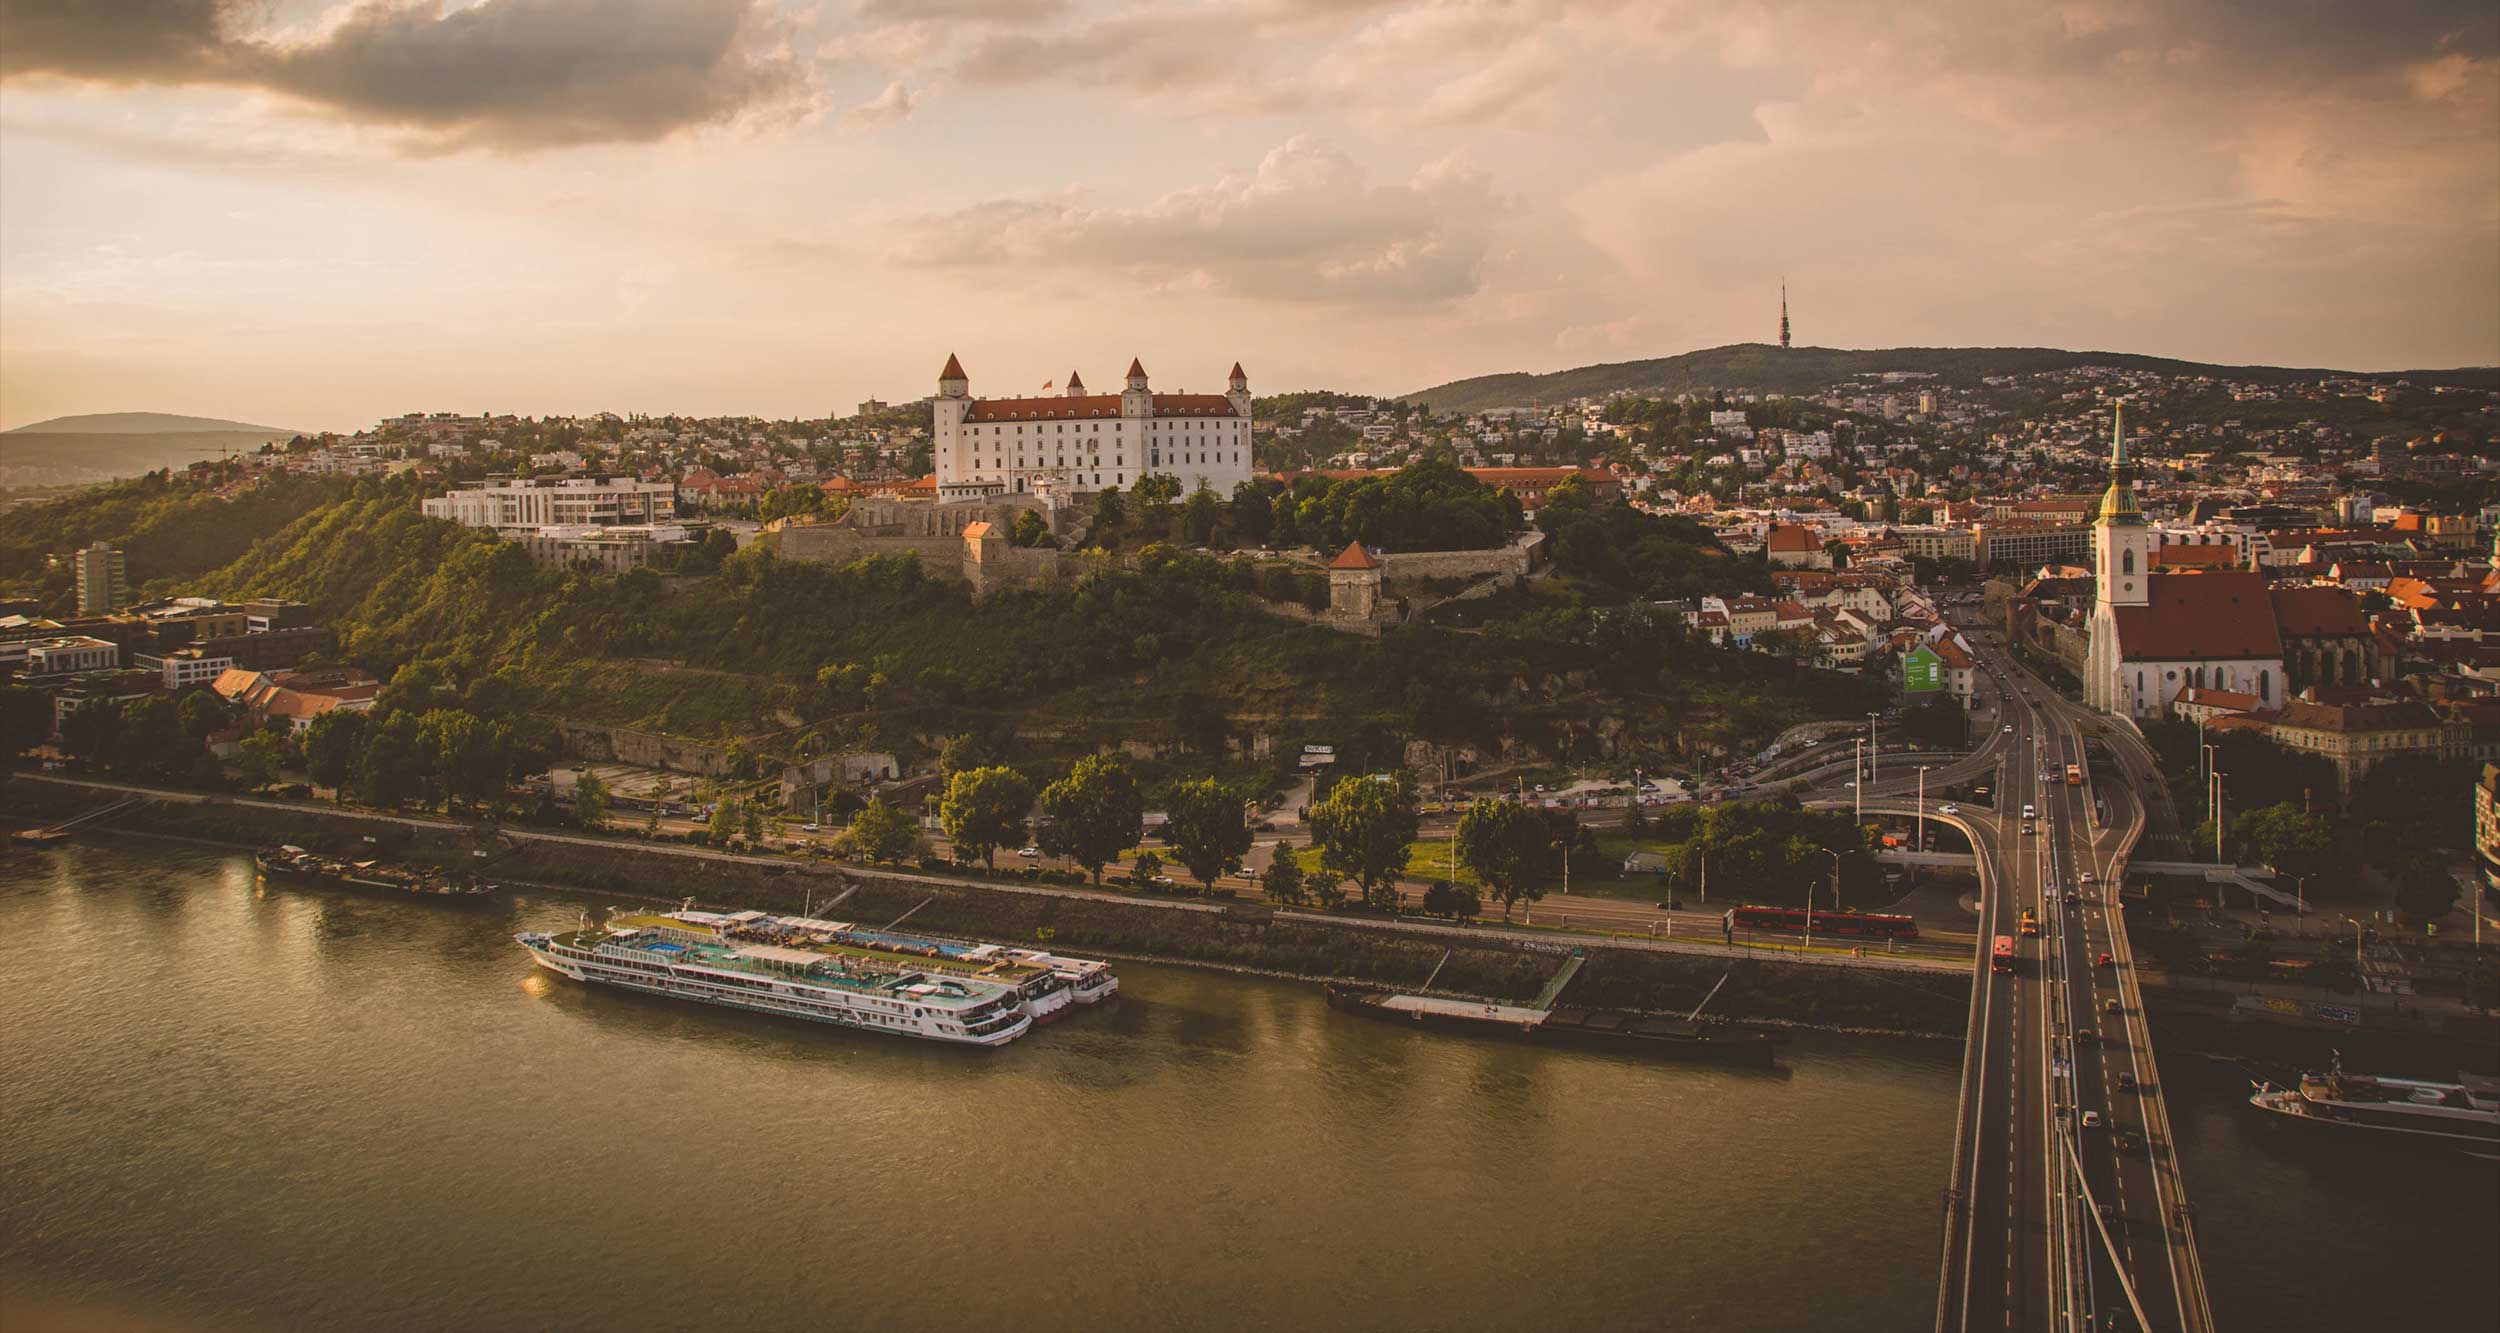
(2004, 961)
(1861, 925)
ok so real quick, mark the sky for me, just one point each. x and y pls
(311, 214)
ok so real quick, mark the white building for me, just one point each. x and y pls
(557, 501)
(1075, 441)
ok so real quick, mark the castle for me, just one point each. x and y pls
(1072, 441)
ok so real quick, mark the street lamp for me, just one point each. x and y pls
(1857, 773)
(2214, 812)
(1835, 891)
(1874, 749)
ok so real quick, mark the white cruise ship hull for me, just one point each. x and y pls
(792, 1000)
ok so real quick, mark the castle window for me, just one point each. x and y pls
(2126, 562)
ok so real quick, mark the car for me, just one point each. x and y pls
(2126, 1082)
(811, 828)
(1029, 853)
(2127, 1140)
(1671, 905)
(2104, 961)
(2028, 812)
(2009, 728)
(2073, 897)
(1161, 881)
(2109, 1006)
(2084, 878)
(2091, 1120)
(1948, 808)
(2087, 1037)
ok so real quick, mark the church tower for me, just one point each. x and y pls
(1783, 316)
(2122, 558)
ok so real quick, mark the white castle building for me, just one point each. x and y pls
(1074, 441)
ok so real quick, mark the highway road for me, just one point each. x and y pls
(2066, 1210)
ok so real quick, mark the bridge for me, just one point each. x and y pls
(2065, 1208)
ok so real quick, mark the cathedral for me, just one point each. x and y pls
(1069, 440)
(2156, 634)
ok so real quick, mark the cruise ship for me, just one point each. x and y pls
(1049, 983)
(715, 961)
(2464, 1115)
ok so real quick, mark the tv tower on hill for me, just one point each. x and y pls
(1783, 314)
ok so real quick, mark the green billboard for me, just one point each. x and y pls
(1922, 671)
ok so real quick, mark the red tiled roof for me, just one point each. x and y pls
(2208, 554)
(2233, 700)
(1792, 537)
(1354, 557)
(954, 369)
(1136, 368)
(2212, 616)
(2318, 611)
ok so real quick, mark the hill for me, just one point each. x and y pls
(140, 423)
(30, 458)
(1762, 367)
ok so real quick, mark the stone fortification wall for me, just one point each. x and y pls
(623, 745)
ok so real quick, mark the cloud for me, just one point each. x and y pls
(1306, 227)
(991, 11)
(502, 74)
(885, 108)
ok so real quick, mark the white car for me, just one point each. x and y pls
(1029, 853)
(2009, 728)
(811, 828)
(2091, 1120)
(2085, 877)
(1948, 809)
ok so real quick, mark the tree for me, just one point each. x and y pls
(1282, 880)
(1442, 898)
(1093, 814)
(333, 746)
(1147, 866)
(983, 810)
(1363, 830)
(879, 832)
(1504, 843)
(396, 762)
(2287, 838)
(1109, 509)
(751, 821)
(1031, 529)
(1207, 828)
(590, 801)
(261, 755)
(785, 501)
(1199, 724)
(1199, 515)
(25, 719)
(2431, 799)
(724, 825)
(2425, 890)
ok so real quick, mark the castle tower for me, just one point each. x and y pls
(1135, 401)
(951, 449)
(1237, 392)
(1076, 385)
(1783, 316)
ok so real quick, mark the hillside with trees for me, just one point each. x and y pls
(1766, 368)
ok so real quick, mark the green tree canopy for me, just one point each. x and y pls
(1207, 828)
(983, 810)
(1363, 829)
(1093, 814)
(880, 832)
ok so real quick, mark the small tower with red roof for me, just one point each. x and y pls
(1237, 392)
(1353, 585)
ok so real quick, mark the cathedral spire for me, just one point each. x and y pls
(2118, 504)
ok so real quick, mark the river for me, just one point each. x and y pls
(232, 1105)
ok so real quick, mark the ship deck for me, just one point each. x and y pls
(1005, 971)
(755, 960)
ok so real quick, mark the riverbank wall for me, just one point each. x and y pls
(1242, 936)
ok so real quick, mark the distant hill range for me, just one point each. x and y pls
(1798, 370)
(74, 451)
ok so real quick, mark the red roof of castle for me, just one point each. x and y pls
(1058, 407)
(1354, 557)
(954, 369)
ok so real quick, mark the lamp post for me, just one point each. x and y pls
(1835, 887)
(1857, 770)
(2216, 815)
(1874, 747)
(2205, 767)
(1922, 812)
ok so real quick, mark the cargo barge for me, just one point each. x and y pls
(294, 863)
